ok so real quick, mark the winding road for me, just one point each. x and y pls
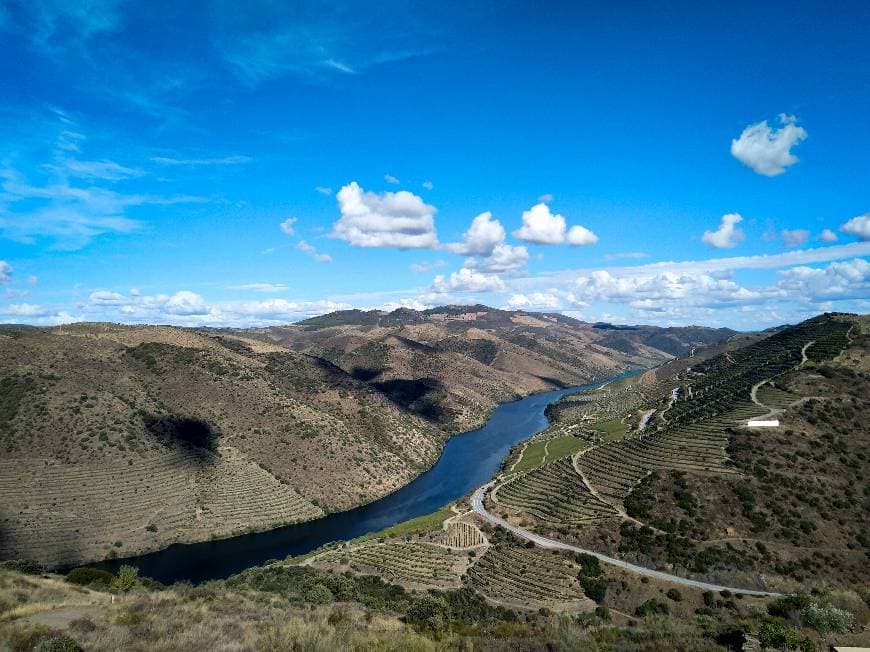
(544, 542)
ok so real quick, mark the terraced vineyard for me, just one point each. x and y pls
(177, 495)
(554, 492)
(414, 563)
(775, 397)
(461, 535)
(527, 578)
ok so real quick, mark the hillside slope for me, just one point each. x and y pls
(118, 440)
(451, 365)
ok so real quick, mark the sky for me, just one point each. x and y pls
(236, 164)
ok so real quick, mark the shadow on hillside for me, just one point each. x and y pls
(365, 374)
(555, 382)
(422, 396)
(194, 433)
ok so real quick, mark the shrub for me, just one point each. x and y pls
(86, 576)
(318, 594)
(127, 578)
(652, 607)
(827, 618)
(674, 595)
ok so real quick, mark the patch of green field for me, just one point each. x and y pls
(418, 525)
(612, 430)
(548, 451)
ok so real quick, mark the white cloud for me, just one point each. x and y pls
(546, 198)
(727, 235)
(391, 219)
(540, 226)
(504, 258)
(389, 178)
(580, 236)
(185, 302)
(32, 280)
(848, 279)
(828, 236)
(795, 237)
(480, 238)
(768, 151)
(550, 300)
(428, 185)
(5, 271)
(323, 190)
(287, 226)
(468, 280)
(858, 226)
(260, 287)
(106, 298)
(425, 267)
(312, 251)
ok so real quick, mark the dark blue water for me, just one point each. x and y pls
(468, 461)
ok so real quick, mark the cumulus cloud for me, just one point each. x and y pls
(185, 302)
(480, 238)
(422, 268)
(768, 151)
(848, 279)
(391, 219)
(5, 271)
(858, 227)
(389, 178)
(794, 237)
(828, 236)
(727, 235)
(312, 251)
(541, 226)
(550, 300)
(468, 280)
(503, 258)
(287, 226)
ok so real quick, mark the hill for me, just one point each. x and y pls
(120, 439)
(668, 473)
(451, 365)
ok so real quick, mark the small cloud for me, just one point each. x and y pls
(794, 237)
(768, 151)
(323, 190)
(423, 268)
(428, 185)
(546, 198)
(727, 235)
(389, 178)
(390, 219)
(32, 280)
(312, 251)
(858, 227)
(5, 271)
(468, 280)
(480, 238)
(287, 226)
(260, 287)
(828, 236)
(541, 226)
(105, 170)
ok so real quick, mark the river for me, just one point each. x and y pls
(468, 460)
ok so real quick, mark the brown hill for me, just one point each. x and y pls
(451, 365)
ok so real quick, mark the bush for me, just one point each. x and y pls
(652, 607)
(594, 587)
(127, 578)
(57, 643)
(827, 618)
(86, 576)
(318, 594)
(674, 595)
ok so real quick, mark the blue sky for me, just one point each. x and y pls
(250, 163)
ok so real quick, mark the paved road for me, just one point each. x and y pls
(544, 542)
